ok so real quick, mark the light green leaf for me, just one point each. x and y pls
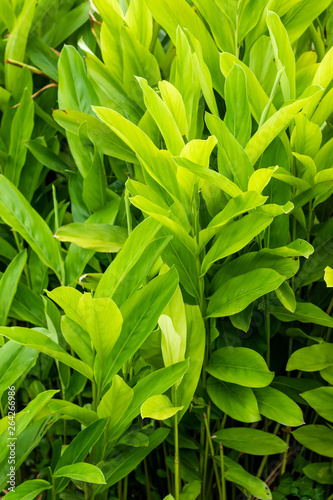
(97, 237)
(236, 401)
(235, 237)
(260, 178)
(15, 360)
(286, 296)
(171, 341)
(221, 181)
(277, 406)
(29, 489)
(158, 163)
(275, 125)
(328, 276)
(115, 401)
(312, 358)
(321, 399)
(284, 55)
(174, 101)
(233, 161)
(237, 293)
(317, 438)
(81, 471)
(235, 207)
(103, 321)
(240, 365)
(163, 118)
(251, 441)
(159, 407)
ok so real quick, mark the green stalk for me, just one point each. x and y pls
(268, 331)
(177, 468)
(206, 455)
(147, 482)
(213, 456)
(265, 458)
(224, 492)
(285, 456)
(271, 97)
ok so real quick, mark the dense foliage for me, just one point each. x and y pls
(172, 341)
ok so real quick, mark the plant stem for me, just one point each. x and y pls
(285, 456)
(148, 492)
(177, 476)
(213, 455)
(206, 454)
(224, 493)
(268, 332)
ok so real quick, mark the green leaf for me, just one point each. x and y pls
(115, 401)
(163, 118)
(305, 312)
(153, 384)
(140, 313)
(328, 276)
(321, 399)
(251, 441)
(73, 411)
(235, 207)
(238, 117)
(78, 339)
(47, 157)
(15, 360)
(233, 161)
(173, 13)
(127, 460)
(195, 351)
(277, 406)
(159, 407)
(284, 56)
(97, 237)
(78, 449)
(17, 212)
(321, 473)
(240, 365)
(158, 163)
(247, 482)
(21, 130)
(8, 284)
(274, 126)
(29, 489)
(16, 45)
(235, 237)
(237, 293)
(81, 471)
(221, 181)
(236, 401)
(286, 296)
(317, 438)
(299, 18)
(312, 358)
(40, 342)
(103, 321)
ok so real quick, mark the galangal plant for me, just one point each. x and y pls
(192, 200)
